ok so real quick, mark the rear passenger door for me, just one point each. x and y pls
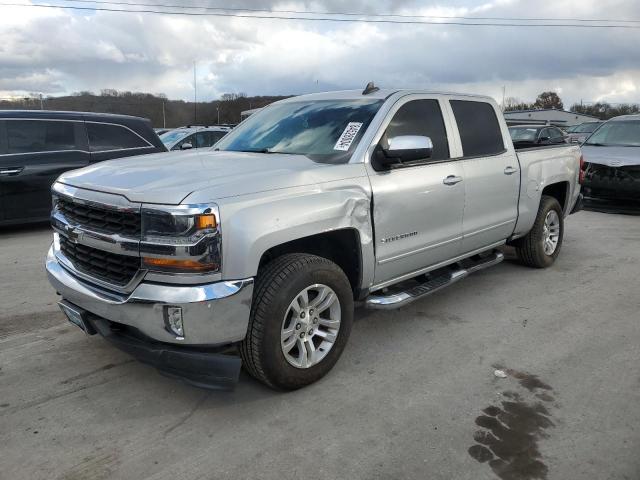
(491, 174)
(417, 208)
(110, 140)
(37, 152)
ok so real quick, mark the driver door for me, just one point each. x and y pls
(417, 209)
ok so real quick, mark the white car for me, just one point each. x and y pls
(185, 138)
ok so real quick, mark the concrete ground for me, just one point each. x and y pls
(414, 395)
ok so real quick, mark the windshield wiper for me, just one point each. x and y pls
(257, 150)
(596, 144)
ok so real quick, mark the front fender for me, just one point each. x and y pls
(253, 224)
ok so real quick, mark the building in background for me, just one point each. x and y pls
(548, 116)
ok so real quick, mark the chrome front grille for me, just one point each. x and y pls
(102, 219)
(108, 267)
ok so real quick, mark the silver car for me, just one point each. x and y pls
(612, 160)
(186, 138)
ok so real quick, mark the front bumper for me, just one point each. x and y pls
(206, 368)
(213, 314)
(612, 183)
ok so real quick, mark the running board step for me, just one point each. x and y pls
(457, 272)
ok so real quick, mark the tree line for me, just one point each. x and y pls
(601, 110)
(157, 108)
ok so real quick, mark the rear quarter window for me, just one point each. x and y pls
(479, 128)
(104, 137)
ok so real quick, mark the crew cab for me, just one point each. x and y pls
(255, 252)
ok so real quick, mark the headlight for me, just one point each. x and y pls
(181, 239)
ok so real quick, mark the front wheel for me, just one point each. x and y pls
(300, 321)
(541, 246)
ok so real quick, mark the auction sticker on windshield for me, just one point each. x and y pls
(347, 137)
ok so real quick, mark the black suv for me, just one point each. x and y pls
(37, 146)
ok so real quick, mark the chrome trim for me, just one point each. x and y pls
(203, 247)
(149, 144)
(11, 171)
(121, 126)
(68, 265)
(214, 313)
(76, 233)
(93, 197)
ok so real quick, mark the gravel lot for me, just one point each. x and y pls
(414, 395)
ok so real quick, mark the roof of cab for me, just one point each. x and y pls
(381, 94)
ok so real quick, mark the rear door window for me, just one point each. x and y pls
(216, 136)
(479, 128)
(424, 118)
(203, 139)
(105, 137)
(29, 136)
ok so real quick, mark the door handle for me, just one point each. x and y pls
(510, 170)
(11, 171)
(452, 180)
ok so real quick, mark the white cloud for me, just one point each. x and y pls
(55, 52)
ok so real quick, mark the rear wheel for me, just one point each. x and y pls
(541, 246)
(300, 321)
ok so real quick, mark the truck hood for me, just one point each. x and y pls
(168, 178)
(612, 156)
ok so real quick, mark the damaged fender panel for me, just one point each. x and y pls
(253, 224)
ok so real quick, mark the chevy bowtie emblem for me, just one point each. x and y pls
(75, 235)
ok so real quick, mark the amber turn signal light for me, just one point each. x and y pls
(206, 221)
(172, 263)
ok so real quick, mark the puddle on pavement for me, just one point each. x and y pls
(509, 432)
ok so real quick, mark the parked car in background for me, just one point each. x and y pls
(579, 133)
(309, 205)
(37, 146)
(525, 136)
(612, 160)
(160, 131)
(192, 136)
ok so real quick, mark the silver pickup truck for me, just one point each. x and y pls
(257, 250)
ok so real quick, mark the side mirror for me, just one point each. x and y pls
(402, 149)
(186, 146)
(544, 139)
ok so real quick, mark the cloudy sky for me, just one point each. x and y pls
(53, 51)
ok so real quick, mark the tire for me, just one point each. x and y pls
(279, 283)
(531, 248)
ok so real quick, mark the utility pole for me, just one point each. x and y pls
(164, 118)
(218, 110)
(195, 95)
(41, 103)
(504, 91)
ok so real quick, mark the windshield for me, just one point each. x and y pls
(521, 134)
(323, 130)
(173, 136)
(586, 127)
(617, 134)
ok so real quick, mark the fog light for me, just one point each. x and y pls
(173, 321)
